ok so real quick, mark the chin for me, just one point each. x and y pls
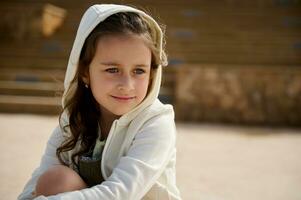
(122, 112)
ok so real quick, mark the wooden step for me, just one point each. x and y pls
(30, 104)
(30, 88)
(32, 75)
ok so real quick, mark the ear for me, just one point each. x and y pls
(85, 78)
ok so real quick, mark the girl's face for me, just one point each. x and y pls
(119, 73)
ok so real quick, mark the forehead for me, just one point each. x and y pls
(130, 46)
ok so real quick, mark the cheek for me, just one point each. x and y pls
(99, 85)
(142, 86)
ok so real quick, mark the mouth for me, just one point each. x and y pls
(123, 98)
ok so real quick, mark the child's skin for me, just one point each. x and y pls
(58, 179)
(118, 76)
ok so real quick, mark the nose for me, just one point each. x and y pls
(126, 83)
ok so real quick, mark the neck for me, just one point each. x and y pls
(106, 120)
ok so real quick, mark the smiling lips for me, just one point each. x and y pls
(123, 99)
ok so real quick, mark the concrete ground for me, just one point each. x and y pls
(215, 162)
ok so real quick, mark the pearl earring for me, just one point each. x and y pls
(86, 85)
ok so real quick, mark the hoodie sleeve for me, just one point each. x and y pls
(49, 159)
(138, 170)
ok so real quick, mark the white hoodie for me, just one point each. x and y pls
(139, 157)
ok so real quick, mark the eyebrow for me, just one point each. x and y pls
(117, 64)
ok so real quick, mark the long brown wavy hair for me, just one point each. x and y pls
(83, 110)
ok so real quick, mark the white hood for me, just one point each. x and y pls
(92, 17)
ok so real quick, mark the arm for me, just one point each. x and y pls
(139, 169)
(49, 159)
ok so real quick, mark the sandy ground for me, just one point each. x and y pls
(214, 162)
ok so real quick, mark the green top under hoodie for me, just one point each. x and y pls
(139, 156)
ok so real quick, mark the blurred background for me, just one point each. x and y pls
(234, 79)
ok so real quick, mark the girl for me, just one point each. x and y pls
(116, 140)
